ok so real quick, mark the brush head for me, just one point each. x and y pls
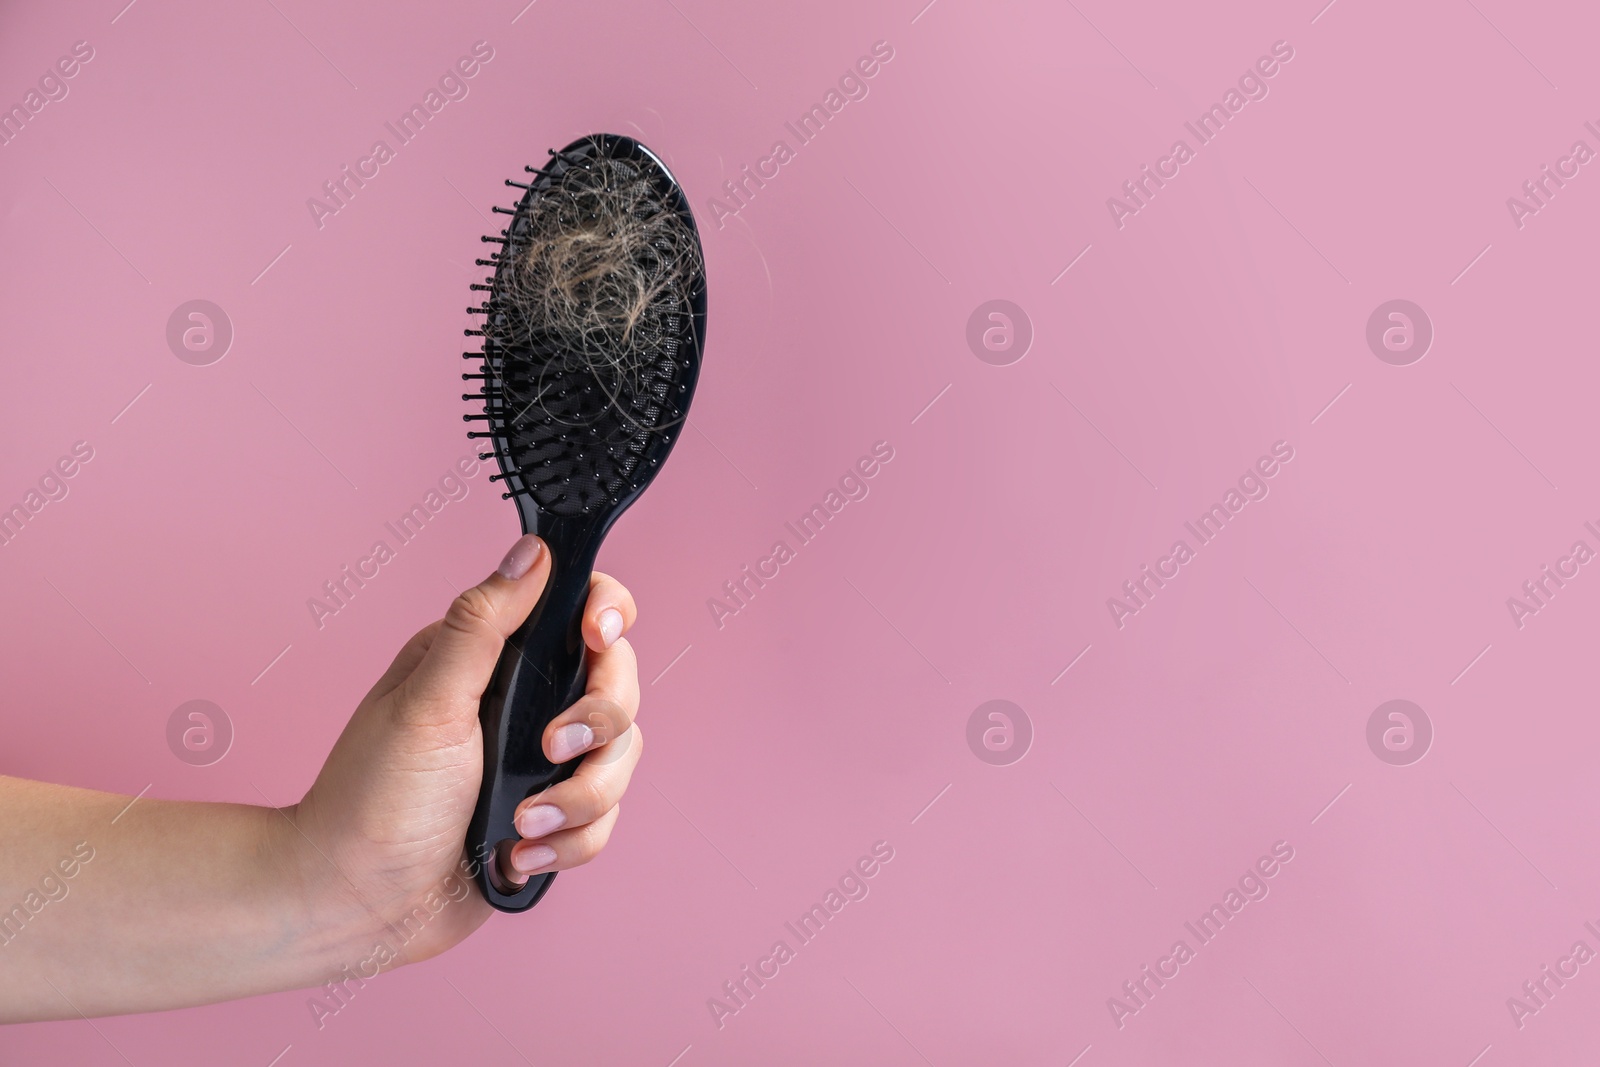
(593, 330)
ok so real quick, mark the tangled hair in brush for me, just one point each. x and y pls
(600, 265)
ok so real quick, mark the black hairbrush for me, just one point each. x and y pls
(595, 321)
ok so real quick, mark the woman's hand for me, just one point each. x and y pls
(382, 827)
(120, 904)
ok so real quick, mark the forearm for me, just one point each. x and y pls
(112, 905)
(157, 905)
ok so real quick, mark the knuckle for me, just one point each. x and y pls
(579, 850)
(592, 797)
(471, 612)
(591, 840)
(611, 713)
(614, 751)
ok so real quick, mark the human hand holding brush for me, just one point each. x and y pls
(507, 725)
(398, 788)
(184, 903)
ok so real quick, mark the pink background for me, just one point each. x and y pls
(826, 715)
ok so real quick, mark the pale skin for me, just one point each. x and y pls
(185, 903)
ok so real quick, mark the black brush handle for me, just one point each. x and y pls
(542, 671)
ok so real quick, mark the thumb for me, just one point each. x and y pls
(461, 660)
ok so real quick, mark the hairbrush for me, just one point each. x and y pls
(594, 324)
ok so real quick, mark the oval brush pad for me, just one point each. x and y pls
(594, 324)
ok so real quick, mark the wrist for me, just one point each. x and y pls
(331, 925)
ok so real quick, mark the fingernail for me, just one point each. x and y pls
(610, 626)
(531, 858)
(570, 740)
(540, 819)
(520, 560)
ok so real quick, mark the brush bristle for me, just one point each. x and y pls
(592, 305)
